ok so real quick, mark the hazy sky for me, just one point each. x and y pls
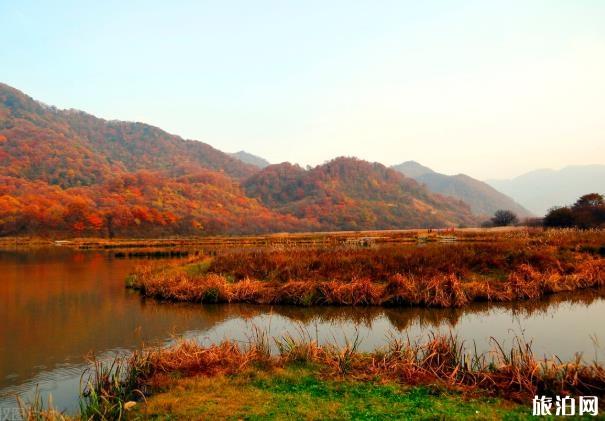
(492, 89)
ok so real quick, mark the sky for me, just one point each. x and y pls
(490, 89)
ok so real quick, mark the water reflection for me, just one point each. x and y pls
(561, 325)
(58, 305)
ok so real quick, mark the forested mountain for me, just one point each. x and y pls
(542, 189)
(68, 173)
(71, 148)
(138, 204)
(251, 159)
(482, 198)
(350, 194)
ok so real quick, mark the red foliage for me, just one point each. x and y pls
(351, 194)
(67, 172)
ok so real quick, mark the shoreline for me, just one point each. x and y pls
(319, 237)
(183, 380)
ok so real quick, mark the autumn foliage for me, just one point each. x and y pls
(137, 204)
(68, 173)
(351, 194)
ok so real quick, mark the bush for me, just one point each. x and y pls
(504, 218)
(559, 217)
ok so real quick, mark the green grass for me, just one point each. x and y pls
(198, 268)
(299, 392)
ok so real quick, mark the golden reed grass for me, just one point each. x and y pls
(439, 275)
(441, 360)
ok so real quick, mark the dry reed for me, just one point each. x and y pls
(436, 275)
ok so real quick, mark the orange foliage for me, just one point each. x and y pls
(351, 194)
(69, 173)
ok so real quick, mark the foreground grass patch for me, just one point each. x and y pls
(435, 379)
(300, 392)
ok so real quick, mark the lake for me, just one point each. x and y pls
(59, 305)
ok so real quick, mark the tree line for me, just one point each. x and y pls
(586, 213)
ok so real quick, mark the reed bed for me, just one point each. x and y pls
(514, 374)
(520, 265)
(37, 410)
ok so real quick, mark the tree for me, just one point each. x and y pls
(504, 218)
(559, 217)
(589, 211)
(590, 200)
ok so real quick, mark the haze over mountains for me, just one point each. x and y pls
(482, 198)
(542, 189)
(66, 172)
(251, 159)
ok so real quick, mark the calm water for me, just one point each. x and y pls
(58, 305)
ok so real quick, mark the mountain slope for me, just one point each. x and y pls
(542, 189)
(482, 198)
(71, 148)
(141, 204)
(350, 194)
(70, 173)
(248, 158)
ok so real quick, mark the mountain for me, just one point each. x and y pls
(351, 194)
(71, 148)
(67, 173)
(248, 158)
(542, 189)
(482, 198)
(412, 169)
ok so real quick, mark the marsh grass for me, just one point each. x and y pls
(441, 361)
(514, 373)
(108, 388)
(510, 268)
(36, 410)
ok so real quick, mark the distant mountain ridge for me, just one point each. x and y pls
(482, 198)
(412, 169)
(542, 189)
(251, 159)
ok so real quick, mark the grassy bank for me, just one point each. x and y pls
(301, 391)
(405, 379)
(514, 265)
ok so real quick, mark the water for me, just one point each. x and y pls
(58, 305)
